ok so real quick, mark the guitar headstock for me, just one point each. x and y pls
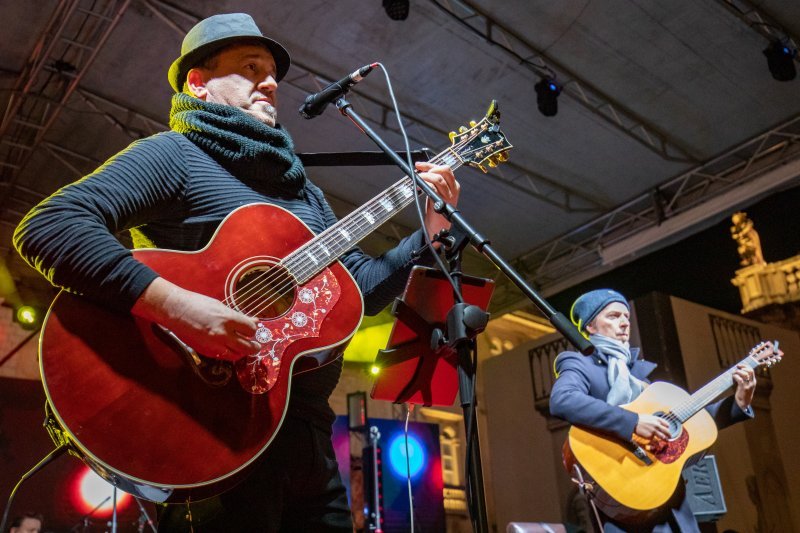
(766, 353)
(482, 143)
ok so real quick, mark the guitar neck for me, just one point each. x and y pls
(308, 260)
(710, 391)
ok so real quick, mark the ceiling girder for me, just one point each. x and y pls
(579, 90)
(600, 244)
(69, 43)
(758, 20)
(524, 180)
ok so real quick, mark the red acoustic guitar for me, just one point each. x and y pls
(167, 424)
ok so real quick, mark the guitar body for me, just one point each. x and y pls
(169, 425)
(631, 491)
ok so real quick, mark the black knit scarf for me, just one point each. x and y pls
(245, 147)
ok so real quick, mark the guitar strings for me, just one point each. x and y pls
(696, 401)
(710, 391)
(282, 275)
(273, 273)
(290, 265)
(276, 272)
(296, 266)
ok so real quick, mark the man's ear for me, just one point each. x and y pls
(590, 328)
(196, 83)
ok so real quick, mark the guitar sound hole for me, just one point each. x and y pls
(675, 427)
(265, 291)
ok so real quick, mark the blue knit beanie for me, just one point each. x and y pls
(589, 305)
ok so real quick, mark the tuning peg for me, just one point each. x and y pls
(452, 136)
(483, 169)
(503, 156)
(492, 162)
(462, 129)
(472, 123)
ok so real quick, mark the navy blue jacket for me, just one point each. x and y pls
(579, 394)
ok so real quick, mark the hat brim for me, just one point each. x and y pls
(181, 66)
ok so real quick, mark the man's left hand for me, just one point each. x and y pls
(745, 379)
(443, 181)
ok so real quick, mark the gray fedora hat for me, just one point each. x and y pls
(212, 34)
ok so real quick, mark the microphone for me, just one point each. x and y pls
(316, 103)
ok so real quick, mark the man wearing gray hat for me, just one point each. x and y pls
(225, 149)
(589, 390)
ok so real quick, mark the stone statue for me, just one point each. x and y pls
(746, 237)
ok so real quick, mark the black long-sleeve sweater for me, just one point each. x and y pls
(170, 194)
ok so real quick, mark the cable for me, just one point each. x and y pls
(410, 163)
(471, 425)
(409, 408)
(41, 464)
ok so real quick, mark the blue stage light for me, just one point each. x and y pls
(780, 60)
(547, 91)
(417, 457)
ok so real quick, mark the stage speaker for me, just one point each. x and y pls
(704, 491)
(357, 411)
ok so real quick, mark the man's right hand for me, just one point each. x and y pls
(650, 426)
(207, 325)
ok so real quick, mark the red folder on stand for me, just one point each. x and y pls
(411, 370)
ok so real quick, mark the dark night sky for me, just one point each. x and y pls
(700, 267)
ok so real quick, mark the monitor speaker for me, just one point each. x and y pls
(704, 491)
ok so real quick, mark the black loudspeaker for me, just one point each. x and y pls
(704, 491)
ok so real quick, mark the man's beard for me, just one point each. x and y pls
(266, 113)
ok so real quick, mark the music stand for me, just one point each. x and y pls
(415, 367)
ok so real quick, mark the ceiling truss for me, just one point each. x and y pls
(64, 52)
(589, 97)
(78, 29)
(584, 251)
(760, 21)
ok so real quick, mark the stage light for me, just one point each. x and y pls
(780, 60)
(27, 317)
(397, 456)
(547, 91)
(396, 9)
(375, 370)
(96, 494)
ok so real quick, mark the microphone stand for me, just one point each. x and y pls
(464, 233)
(84, 520)
(144, 518)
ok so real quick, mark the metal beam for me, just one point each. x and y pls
(753, 169)
(523, 180)
(63, 54)
(579, 90)
(759, 20)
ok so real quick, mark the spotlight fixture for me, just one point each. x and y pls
(396, 9)
(547, 91)
(780, 60)
(27, 317)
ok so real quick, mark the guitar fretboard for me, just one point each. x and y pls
(710, 391)
(308, 260)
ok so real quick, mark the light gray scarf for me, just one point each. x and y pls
(624, 386)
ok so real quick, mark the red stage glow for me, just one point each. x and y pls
(91, 490)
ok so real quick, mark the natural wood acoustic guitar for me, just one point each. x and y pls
(632, 482)
(160, 421)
